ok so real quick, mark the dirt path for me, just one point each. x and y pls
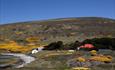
(25, 58)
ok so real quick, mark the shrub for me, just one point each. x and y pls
(54, 46)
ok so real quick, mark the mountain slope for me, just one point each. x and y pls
(64, 29)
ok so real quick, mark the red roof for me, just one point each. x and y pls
(87, 46)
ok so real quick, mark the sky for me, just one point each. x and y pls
(12, 11)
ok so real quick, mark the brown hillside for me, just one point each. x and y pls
(64, 29)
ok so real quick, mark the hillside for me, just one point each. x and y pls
(64, 29)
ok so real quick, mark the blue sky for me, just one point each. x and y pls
(28, 10)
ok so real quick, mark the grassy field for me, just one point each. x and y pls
(61, 60)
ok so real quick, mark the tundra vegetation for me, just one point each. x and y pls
(61, 39)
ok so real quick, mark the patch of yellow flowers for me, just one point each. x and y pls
(101, 58)
(81, 68)
(81, 59)
(93, 52)
(12, 46)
